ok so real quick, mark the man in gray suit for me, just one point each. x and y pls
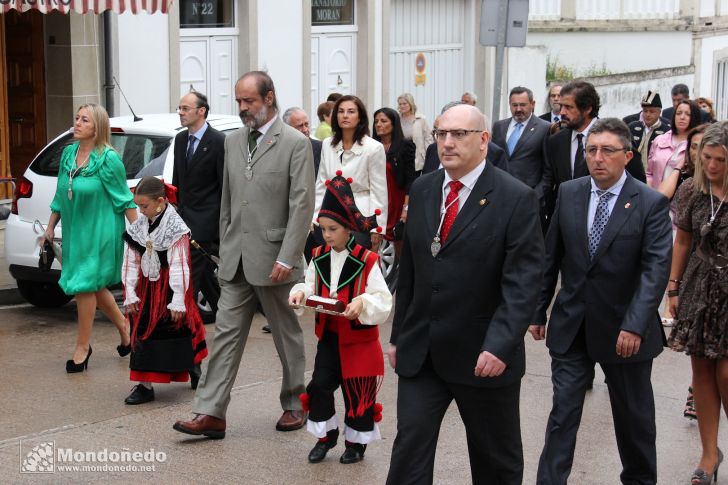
(267, 206)
(523, 137)
(611, 240)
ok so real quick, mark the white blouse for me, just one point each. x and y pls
(366, 164)
(377, 299)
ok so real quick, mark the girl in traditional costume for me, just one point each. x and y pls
(167, 333)
(348, 353)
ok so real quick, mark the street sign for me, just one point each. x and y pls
(491, 23)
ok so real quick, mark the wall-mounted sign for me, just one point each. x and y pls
(195, 14)
(332, 12)
(420, 64)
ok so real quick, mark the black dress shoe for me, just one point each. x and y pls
(123, 350)
(318, 452)
(195, 374)
(266, 328)
(72, 367)
(140, 395)
(353, 453)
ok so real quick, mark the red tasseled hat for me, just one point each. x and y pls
(338, 204)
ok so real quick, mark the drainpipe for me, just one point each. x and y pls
(108, 64)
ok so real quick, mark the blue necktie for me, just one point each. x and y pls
(513, 139)
(190, 148)
(600, 221)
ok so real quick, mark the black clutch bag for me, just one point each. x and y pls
(45, 260)
(398, 230)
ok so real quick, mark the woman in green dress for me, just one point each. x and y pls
(92, 198)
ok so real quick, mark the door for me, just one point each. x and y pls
(5, 187)
(25, 87)
(332, 66)
(207, 64)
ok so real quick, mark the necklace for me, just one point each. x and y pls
(705, 229)
(74, 172)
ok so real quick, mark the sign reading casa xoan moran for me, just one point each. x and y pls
(197, 14)
(332, 12)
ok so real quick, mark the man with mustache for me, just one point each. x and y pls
(267, 205)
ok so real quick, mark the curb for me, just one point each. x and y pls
(10, 296)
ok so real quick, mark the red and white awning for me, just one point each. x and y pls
(86, 6)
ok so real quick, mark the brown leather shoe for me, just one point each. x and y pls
(202, 424)
(291, 420)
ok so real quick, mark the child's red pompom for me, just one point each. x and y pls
(303, 397)
(377, 412)
(377, 212)
(327, 182)
(379, 229)
(350, 180)
(338, 173)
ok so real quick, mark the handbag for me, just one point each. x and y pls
(398, 230)
(48, 251)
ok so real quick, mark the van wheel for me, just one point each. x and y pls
(43, 294)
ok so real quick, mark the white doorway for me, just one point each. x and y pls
(333, 66)
(208, 64)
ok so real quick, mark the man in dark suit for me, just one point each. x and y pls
(496, 155)
(611, 240)
(679, 92)
(651, 125)
(554, 113)
(472, 237)
(565, 159)
(523, 137)
(199, 156)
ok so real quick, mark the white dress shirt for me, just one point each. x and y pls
(468, 180)
(377, 299)
(575, 142)
(366, 164)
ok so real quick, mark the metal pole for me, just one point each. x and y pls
(108, 64)
(500, 49)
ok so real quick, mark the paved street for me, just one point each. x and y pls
(85, 412)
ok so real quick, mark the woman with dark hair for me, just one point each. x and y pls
(91, 199)
(668, 149)
(400, 166)
(357, 156)
(698, 290)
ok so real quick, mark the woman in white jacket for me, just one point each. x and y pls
(415, 128)
(358, 156)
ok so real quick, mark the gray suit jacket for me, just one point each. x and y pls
(267, 218)
(527, 160)
(622, 286)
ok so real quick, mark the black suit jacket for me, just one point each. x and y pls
(557, 168)
(496, 155)
(316, 147)
(547, 117)
(527, 160)
(622, 286)
(478, 293)
(199, 183)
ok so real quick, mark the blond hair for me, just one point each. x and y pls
(102, 137)
(410, 100)
(715, 135)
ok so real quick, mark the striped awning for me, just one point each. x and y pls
(86, 6)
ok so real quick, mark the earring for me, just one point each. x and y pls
(159, 209)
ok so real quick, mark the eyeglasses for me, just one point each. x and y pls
(457, 134)
(606, 151)
(186, 109)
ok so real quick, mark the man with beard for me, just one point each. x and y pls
(267, 205)
(554, 114)
(565, 158)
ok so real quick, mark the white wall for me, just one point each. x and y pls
(143, 41)
(280, 37)
(706, 70)
(617, 51)
(526, 67)
(620, 100)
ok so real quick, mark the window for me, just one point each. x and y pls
(721, 89)
(196, 14)
(332, 12)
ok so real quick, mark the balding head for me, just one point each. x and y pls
(463, 140)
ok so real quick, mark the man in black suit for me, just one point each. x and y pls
(651, 125)
(554, 113)
(611, 240)
(472, 237)
(523, 137)
(199, 157)
(679, 92)
(565, 159)
(496, 155)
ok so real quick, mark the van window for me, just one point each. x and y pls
(140, 153)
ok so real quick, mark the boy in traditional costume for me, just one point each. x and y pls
(348, 353)
(167, 333)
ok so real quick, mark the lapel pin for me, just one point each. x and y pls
(270, 142)
(483, 202)
(532, 129)
(627, 205)
(204, 149)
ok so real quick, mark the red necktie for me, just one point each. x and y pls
(452, 203)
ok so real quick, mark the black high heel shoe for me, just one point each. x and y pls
(124, 350)
(701, 477)
(72, 367)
